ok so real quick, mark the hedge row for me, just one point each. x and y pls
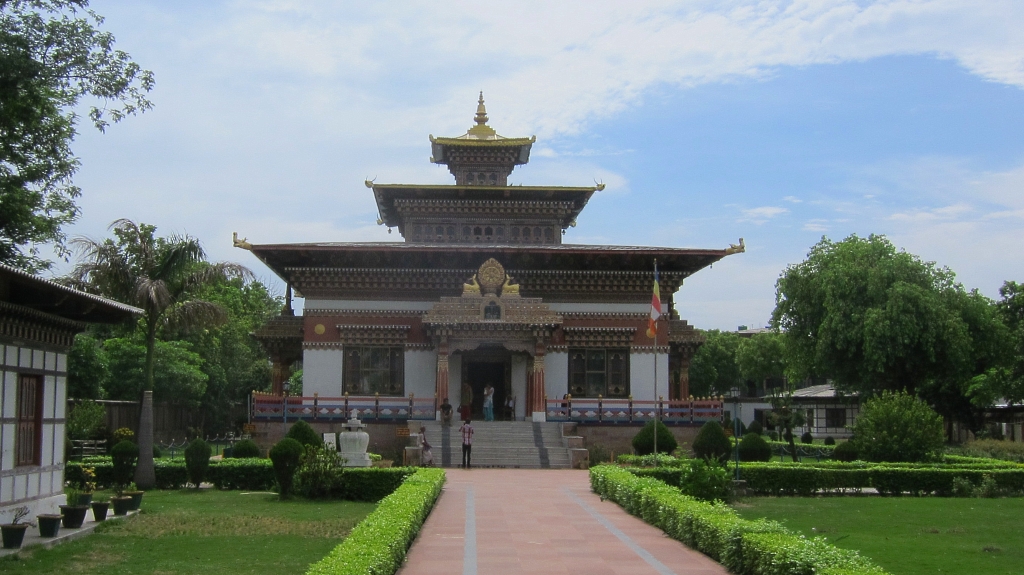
(947, 462)
(355, 484)
(360, 484)
(744, 547)
(783, 479)
(379, 542)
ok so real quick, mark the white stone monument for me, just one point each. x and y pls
(352, 443)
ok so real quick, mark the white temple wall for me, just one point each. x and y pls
(321, 372)
(38, 487)
(519, 384)
(641, 376)
(421, 373)
(556, 374)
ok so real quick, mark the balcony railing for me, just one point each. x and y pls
(266, 407)
(612, 411)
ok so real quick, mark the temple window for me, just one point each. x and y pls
(515, 233)
(500, 232)
(494, 179)
(28, 435)
(488, 231)
(477, 231)
(416, 231)
(492, 311)
(451, 232)
(536, 234)
(374, 369)
(548, 235)
(597, 371)
(526, 234)
(465, 232)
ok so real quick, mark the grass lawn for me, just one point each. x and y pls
(909, 535)
(209, 531)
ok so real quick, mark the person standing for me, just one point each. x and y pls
(467, 443)
(446, 413)
(426, 453)
(488, 403)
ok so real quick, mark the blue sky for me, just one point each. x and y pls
(778, 122)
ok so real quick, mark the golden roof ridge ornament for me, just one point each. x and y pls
(481, 110)
(240, 243)
(736, 248)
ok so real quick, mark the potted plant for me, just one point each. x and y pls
(124, 455)
(73, 515)
(99, 510)
(49, 525)
(136, 495)
(87, 486)
(14, 532)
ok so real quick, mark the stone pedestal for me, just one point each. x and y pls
(352, 444)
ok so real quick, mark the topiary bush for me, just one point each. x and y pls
(753, 447)
(755, 427)
(830, 440)
(807, 438)
(245, 448)
(197, 461)
(286, 457)
(845, 451)
(898, 427)
(643, 441)
(711, 443)
(123, 456)
(773, 435)
(304, 434)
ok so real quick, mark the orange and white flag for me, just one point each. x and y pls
(652, 324)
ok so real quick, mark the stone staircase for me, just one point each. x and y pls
(512, 444)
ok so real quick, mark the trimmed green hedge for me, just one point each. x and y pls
(255, 474)
(358, 484)
(378, 544)
(744, 547)
(888, 479)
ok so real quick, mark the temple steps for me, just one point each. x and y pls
(511, 444)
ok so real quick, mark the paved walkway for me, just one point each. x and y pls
(511, 521)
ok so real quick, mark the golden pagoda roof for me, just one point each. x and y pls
(481, 134)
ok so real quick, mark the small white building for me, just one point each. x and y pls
(828, 413)
(38, 323)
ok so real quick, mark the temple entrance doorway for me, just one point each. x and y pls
(480, 369)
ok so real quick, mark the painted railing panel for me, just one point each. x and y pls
(265, 407)
(610, 411)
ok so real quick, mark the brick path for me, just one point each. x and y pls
(511, 521)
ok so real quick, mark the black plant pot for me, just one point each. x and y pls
(49, 525)
(121, 505)
(99, 510)
(73, 516)
(136, 499)
(13, 534)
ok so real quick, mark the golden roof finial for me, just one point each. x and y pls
(481, 111)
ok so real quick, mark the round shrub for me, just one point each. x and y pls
(245, 448)
(755, 427)
(123, 433)
(830, 440)
(753, 447)
(197, 461)
(711, 443)
(124, 456)
(286, 457)
(845, 451)
(807, 437)
(157, 452)
(773, 435)
(897, 427)
(304, 434)
(643, 441)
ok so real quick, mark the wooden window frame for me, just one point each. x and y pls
(353, 376)
(28, 434)
(578, 379)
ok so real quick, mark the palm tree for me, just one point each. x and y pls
(158, 275)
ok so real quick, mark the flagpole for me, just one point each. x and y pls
(656, 414)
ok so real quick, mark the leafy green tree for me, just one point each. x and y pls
(85, 418)
(713, 369)
(1005, 381)
(871, 317)
(178, 375)
(52, 56)
(897, 426)
(711, 443)
(786, 417)
(87, 367)
(761, 357)
(161, 276)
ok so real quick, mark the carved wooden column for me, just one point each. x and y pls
(538, 409)
(279, 373)
(441, 387)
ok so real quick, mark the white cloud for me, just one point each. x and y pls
(762, 214)
(792, 199)
(815, 226)
(945, 213)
